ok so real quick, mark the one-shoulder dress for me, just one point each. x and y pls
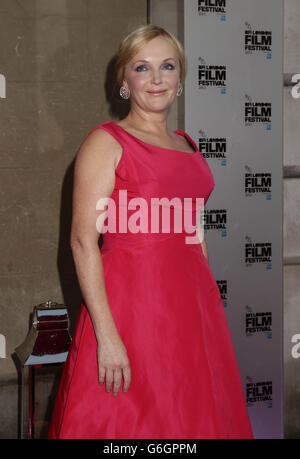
(167, 308)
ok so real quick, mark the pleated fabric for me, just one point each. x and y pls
(168, 311)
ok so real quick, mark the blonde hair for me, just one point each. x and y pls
(136, 40)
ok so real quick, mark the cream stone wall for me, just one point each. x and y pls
(56, 59)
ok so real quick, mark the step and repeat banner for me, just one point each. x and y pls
(234, 111)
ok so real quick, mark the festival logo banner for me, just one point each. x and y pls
(222, 284)
(211, 76)
(259, 392)
(258, 253)
(259, 41)
(258, 183)
(258, 322)
(215, 220)
(212, 7)
(256, 113)
(213, 148)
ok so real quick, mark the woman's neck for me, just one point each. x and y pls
(156, 125)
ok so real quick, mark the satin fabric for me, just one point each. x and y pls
(168, 311)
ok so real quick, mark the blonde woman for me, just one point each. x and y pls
(151, 356)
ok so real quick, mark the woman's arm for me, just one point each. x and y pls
(94, 178)
(200, 234)
(204, 249)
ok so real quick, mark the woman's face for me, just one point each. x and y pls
(153, 76)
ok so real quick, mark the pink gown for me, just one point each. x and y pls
(168, 311)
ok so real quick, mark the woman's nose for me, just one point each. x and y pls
(156, 76)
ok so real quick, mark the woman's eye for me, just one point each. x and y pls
(168, 66)
(138, 69)
(171, 67)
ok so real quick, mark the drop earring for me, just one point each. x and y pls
(180, 89)
(124, 92)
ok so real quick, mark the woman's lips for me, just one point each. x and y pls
(156, 93)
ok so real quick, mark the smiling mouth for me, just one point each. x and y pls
(157, 92)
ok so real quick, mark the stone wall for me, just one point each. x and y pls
(57, 59)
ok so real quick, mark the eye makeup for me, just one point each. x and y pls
(137, 69)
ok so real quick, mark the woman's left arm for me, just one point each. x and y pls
(204, 249)
(202, 240)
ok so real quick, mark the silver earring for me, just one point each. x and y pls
(180, 89)
(124, 92)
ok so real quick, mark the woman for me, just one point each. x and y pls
(152, 316)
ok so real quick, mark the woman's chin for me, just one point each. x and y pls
(159, 106)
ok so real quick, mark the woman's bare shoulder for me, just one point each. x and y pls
(103, 139)
(100, 146)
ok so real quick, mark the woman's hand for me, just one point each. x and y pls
(113, 363)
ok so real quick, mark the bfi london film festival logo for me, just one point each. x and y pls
(191, 209)
(222, 284)
(257, 40)
(211, 76)
(258, 183)
(213, 148)
(258, 323)
(259, 392)
(215, 220)
(258, 253)
(215, 7)
(257, 113)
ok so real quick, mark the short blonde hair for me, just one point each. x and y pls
(136, 40)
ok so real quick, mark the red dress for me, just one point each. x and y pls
(168, 311)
